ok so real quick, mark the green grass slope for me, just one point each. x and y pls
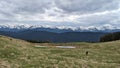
(16, 53)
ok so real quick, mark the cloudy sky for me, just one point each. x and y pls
(74, 13)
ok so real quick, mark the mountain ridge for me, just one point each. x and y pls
(55, 37)
(54, 34)
(15, 28)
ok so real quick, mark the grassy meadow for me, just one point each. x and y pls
(16, 53)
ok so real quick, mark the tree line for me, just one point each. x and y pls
(38, 41)
(110, 37)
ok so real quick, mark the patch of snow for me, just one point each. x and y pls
(40, 46)
(65, 47)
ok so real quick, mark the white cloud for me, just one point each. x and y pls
(60, 12)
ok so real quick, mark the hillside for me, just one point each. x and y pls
(16, 53)
(55, 37)
(110, 37)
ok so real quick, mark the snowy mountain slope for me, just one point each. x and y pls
(15, 28)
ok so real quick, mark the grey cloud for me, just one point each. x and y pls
(9, 9)
(68, 6)
(27, 6)
(6, 8)
(87, 6)
(37, 6)
(98, 20)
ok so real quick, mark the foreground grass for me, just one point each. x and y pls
(20, 54)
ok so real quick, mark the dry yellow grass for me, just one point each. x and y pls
(15, 53)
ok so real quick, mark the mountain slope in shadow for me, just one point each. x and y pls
(55, 37)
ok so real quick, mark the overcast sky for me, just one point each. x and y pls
(85, 13)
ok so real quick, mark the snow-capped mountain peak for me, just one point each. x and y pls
(104, 28)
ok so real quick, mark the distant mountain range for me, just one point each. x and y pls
(16, 28)
(55, 34)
